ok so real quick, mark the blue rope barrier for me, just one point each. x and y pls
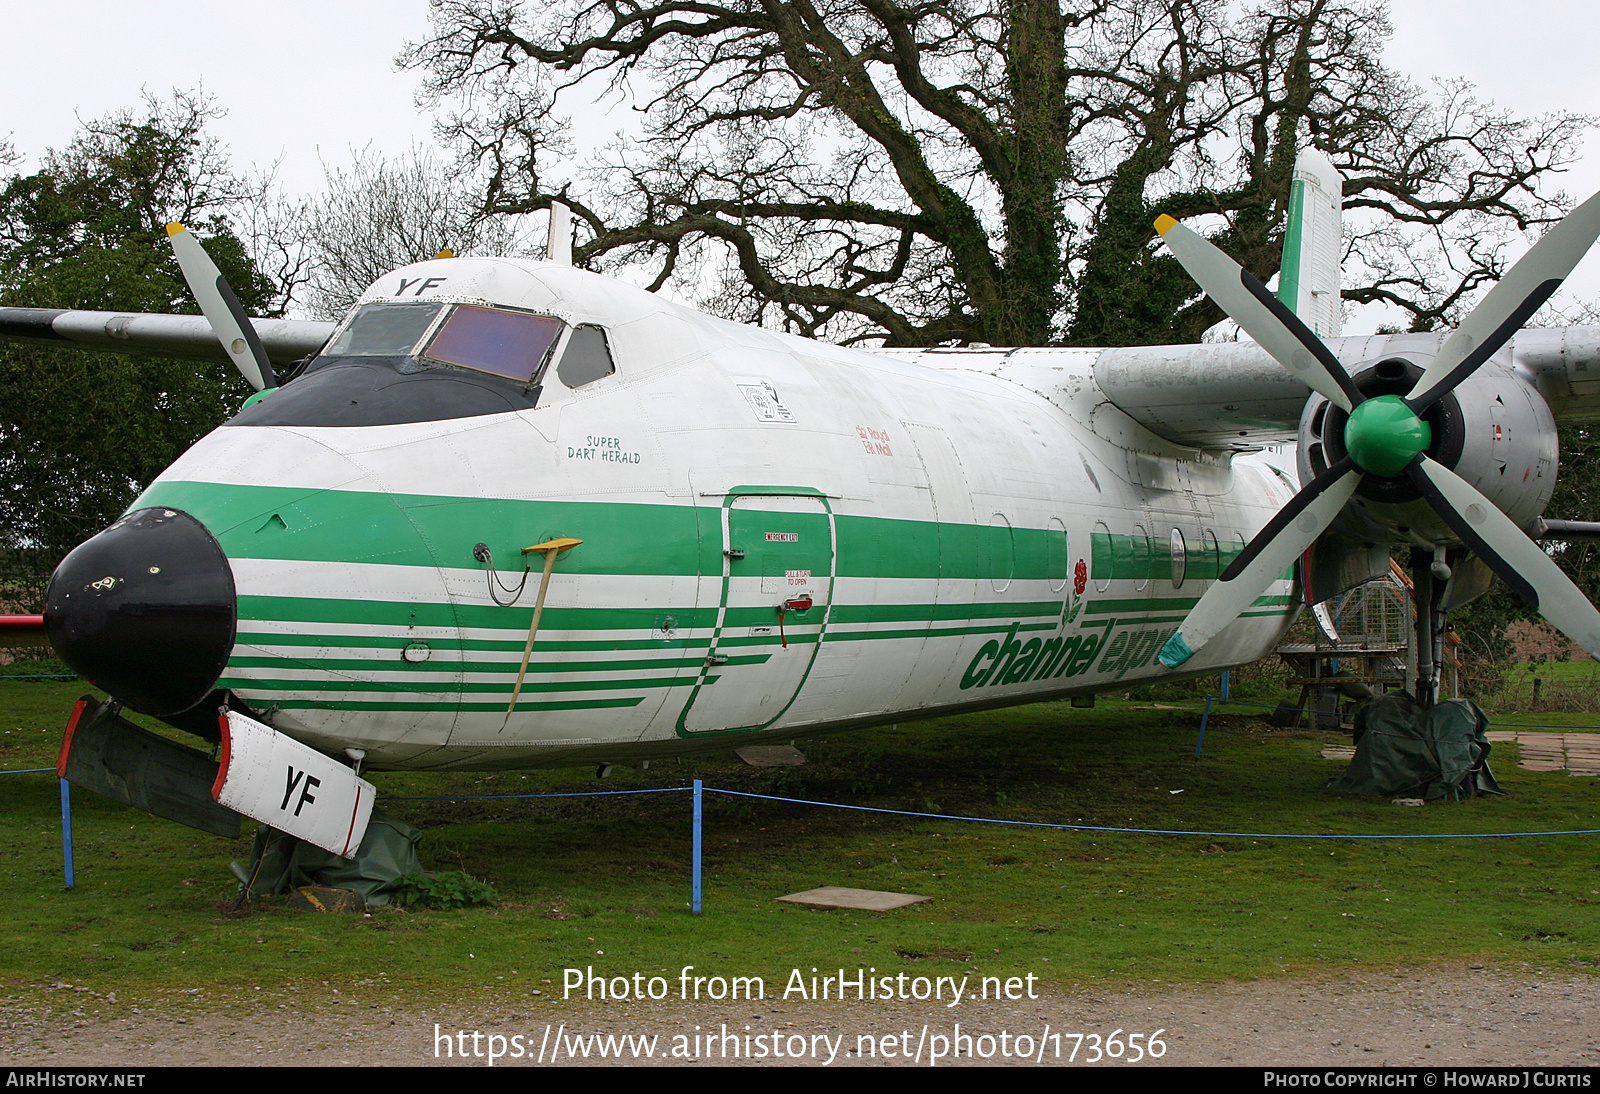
(501, 797)
(66, 833)
(699, 789)
(1154, 831)
(695, 852)
(27, 771)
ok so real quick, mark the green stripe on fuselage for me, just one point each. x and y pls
(417, 687)
(522, 705)
(917, 613)
(395, 664)
(424, 530)
(1143, 558)
(293, 524)
(399, 613)
(260, 638)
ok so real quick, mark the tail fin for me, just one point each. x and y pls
(1308, 281)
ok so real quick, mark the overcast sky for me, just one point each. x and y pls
(305, 82)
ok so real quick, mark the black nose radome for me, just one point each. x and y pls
(146, 610)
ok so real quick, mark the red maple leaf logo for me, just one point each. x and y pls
(1080, 577)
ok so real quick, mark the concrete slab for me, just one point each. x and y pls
(771, 755)
(870, 900)
(1576, 753)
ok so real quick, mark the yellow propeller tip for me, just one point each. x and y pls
(1165, 224)
(174, 228)
(446, 253)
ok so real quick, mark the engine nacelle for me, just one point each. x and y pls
(1493, 429)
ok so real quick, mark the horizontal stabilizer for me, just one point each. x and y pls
(291, 787)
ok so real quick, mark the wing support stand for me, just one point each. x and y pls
(551, 549)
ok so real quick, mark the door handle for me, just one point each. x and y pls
(798, 604)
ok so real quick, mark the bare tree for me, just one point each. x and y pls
(376, 215)
(961, 171)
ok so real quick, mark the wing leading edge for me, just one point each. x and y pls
(188, 336)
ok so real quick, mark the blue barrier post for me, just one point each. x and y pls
(1224, 696)
(1204, 718)
(695, 883)
(66, 830)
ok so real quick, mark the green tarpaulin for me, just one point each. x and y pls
(1404, 750)
(388, 852)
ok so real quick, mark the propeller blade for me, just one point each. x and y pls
(1269, 554)
(1509, 305)
(221, 309)
(1519, 562)
(1263, 316)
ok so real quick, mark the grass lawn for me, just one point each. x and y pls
(605, 882)
(1568, 693)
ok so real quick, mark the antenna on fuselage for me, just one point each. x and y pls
(558, 246)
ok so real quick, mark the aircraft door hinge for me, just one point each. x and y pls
(734, 553)
(716, 659)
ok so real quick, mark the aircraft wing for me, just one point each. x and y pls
(1224, 393)
(1234, 395)
(1219, 395)
(285, 340)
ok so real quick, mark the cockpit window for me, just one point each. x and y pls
(586, 357)
(510, 344)
(384, 330)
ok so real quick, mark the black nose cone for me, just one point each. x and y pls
(146, 610)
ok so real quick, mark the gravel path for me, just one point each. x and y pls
(1439, 1016)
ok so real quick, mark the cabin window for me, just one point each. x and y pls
(384, 330)
(504, 343)
(997, 557)
(1103, 551)
(1180, 559)
(586, 358)
(1056, 562)
(1213, 553)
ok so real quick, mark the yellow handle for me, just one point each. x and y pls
(552, 548)
(552, 545)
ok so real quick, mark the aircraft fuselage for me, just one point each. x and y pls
(779, 537)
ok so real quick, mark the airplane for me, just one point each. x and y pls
(508, 513)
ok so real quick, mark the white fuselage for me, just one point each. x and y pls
(968, 529)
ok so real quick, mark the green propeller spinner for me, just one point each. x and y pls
(1384, 435)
